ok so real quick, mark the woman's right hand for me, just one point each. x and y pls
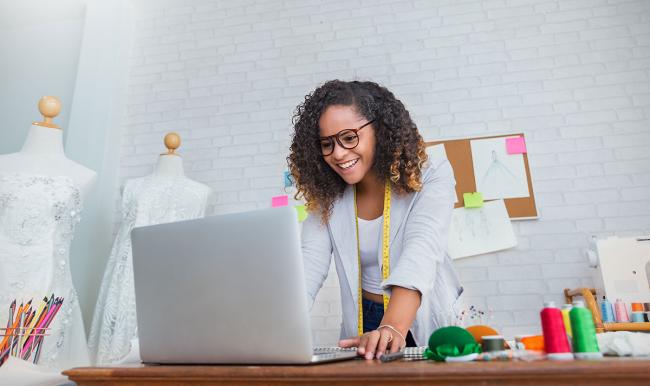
(374, 344)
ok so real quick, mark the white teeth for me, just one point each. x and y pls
(349, 164)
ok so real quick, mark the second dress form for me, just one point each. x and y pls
(163, 197)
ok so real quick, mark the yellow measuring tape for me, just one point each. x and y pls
(385, 250)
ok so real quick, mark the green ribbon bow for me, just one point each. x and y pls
(450, 350)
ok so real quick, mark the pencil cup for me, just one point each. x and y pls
(22, 342)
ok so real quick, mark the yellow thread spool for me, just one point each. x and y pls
(566, 308)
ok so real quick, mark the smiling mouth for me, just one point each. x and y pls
(349, 164)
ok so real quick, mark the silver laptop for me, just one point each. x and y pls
(224, 289)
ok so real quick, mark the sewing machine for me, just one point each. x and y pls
(623, 266)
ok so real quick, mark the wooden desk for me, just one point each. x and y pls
(360, 372)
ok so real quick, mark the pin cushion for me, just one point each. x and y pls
(451, 342)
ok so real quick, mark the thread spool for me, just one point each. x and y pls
(606, 311)
(637, 307)
(565, 318)
(493, 343)
(556, 343)
(638, 317)
(621, 311)
(585, 343)
(647, 316)
(646, 306)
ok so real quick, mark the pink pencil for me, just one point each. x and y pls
(51, 317)
(40, 328)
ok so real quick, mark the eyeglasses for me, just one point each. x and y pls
(347, 139)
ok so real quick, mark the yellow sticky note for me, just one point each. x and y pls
(473, 200)
(302, 212)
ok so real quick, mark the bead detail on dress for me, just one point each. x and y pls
(38, 215)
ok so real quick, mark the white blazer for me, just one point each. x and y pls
(419, 228)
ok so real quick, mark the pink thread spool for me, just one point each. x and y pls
(620, 309)
(556, 343)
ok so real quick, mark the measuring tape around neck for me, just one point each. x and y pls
(385, 250)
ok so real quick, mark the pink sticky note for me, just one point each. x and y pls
(279, 201)
(516, 145)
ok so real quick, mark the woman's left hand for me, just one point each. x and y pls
(374, 344)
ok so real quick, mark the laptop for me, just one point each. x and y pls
(226, 289)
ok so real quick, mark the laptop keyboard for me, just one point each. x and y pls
(328, 354)
(328, 350)
(410, 353)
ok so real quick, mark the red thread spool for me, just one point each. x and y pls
(555, 339)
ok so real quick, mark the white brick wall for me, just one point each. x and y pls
(574, 75)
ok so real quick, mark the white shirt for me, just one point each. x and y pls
(419, 229)
(369, 241)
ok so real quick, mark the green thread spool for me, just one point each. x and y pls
(585, 343)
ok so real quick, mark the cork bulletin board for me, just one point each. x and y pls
(459, 154)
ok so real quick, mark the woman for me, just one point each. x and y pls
(380, 208)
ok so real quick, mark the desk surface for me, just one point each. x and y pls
(608, 371)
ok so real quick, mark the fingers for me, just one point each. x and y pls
(397, 344)
(369, 341)
(356, 341)
(375, 343)
(349, 342)
(385, 338)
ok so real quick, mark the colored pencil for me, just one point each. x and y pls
(26, 328)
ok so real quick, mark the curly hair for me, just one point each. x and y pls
(399, 153)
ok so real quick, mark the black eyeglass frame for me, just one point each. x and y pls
(336, 138)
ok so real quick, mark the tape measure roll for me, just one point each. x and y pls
(385, 250)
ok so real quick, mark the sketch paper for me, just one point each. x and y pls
(498, 174)
(474, 231)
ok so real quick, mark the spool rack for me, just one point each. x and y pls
(589, 295)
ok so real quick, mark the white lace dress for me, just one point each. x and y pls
(38, 215)
(145, 201)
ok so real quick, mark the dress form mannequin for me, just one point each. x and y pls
(42, 152)
(40, 201)
(164, 196)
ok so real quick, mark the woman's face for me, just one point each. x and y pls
(351, 164)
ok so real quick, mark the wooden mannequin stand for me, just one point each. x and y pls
(172, 142)
(170, 164)
(50, 107)
(588, 294)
